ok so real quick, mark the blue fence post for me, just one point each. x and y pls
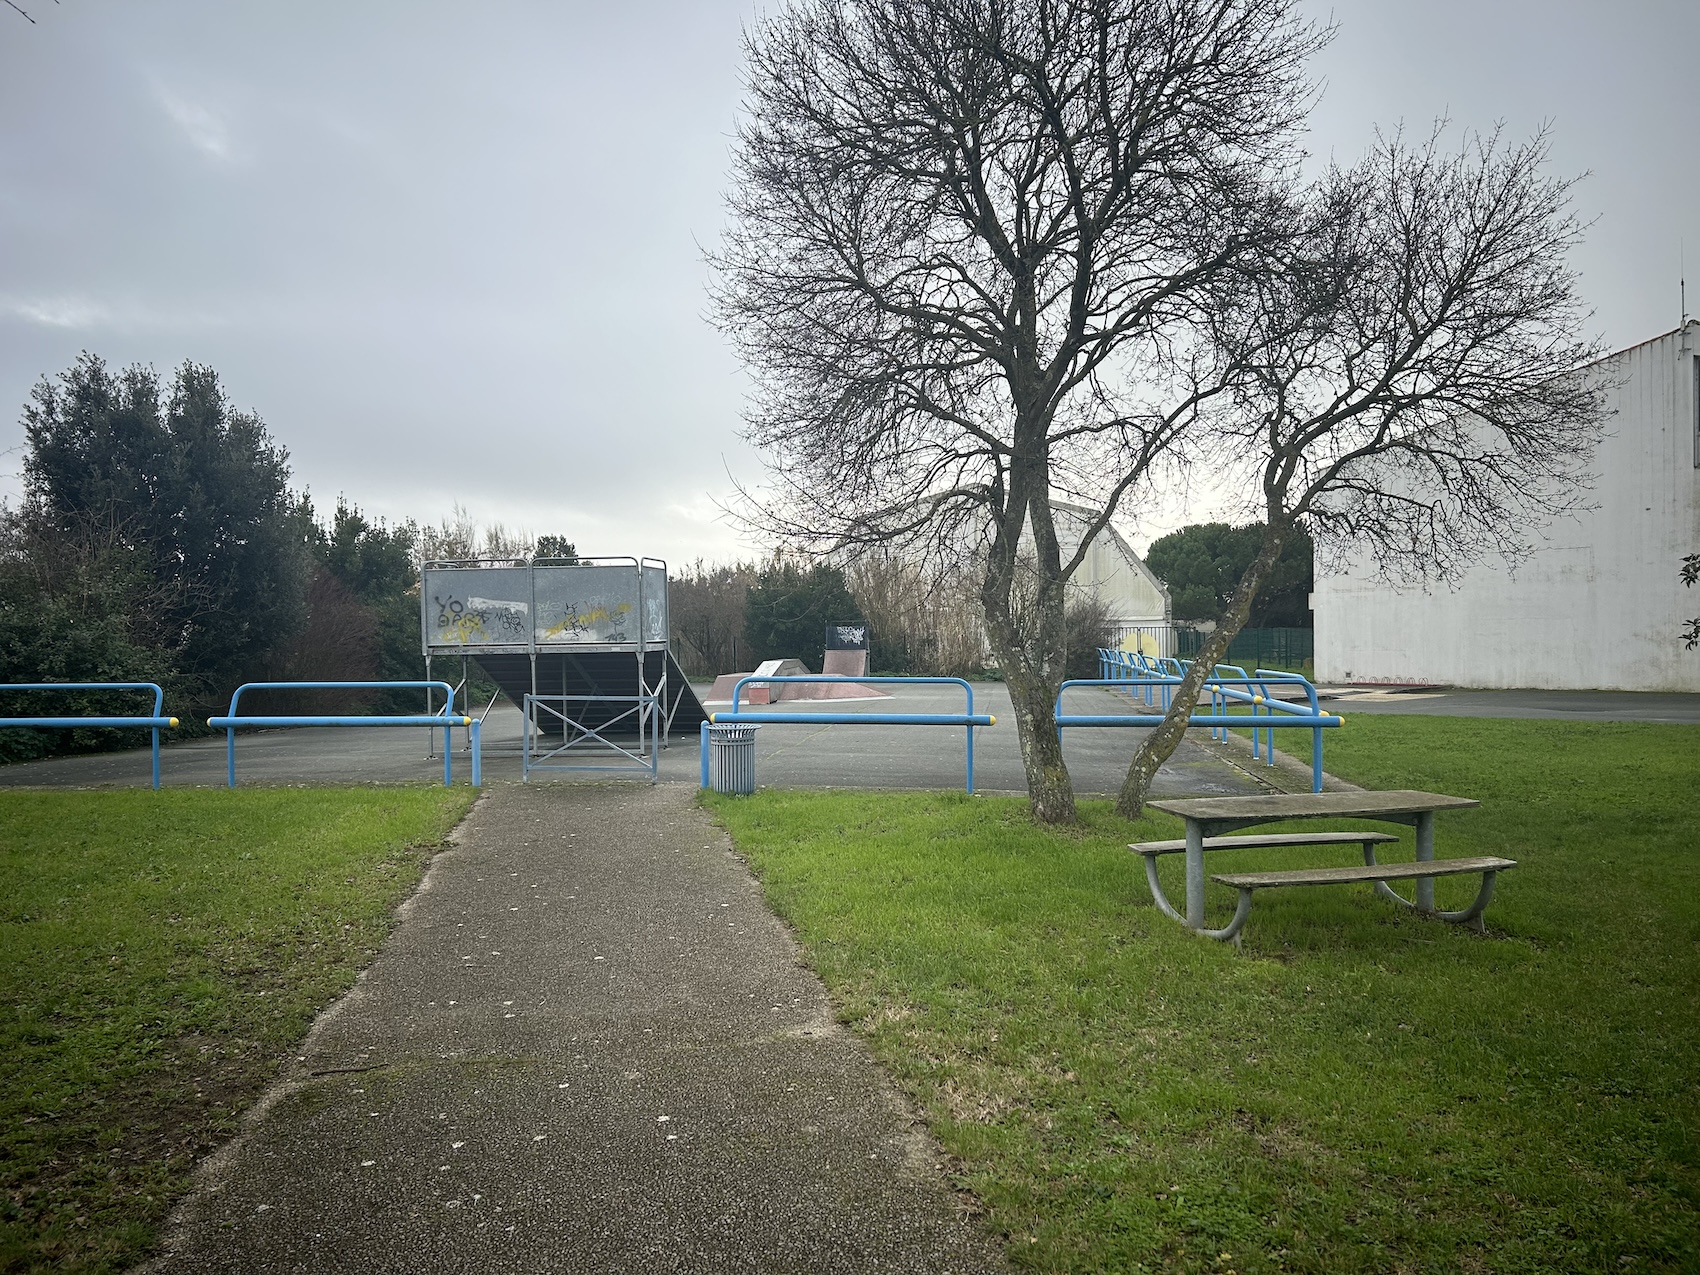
(703, 736)
(1316, 760)
(475, 738)
(970, 715)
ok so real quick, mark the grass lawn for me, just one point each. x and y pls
(1359, 1089)
(160, 952)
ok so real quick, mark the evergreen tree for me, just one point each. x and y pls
(1202, 565)
(190, 491)
(787, 611)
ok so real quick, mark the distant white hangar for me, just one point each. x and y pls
(1134, 599)
(1598, 605)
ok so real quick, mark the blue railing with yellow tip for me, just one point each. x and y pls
(967, 718)
(156, 721)
(447, 720)
(1151, 681)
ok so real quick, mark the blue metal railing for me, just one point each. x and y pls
(446, 719)
(156, 722)
(968, 718)
(1153, 681)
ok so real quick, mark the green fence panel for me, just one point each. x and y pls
(1256, 648)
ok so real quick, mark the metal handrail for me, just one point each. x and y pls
(1267, 712)
(969, 718)
(447, 720)
(156, 722)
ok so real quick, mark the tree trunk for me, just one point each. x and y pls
(1161, 743)
(1050, 791)
(1030, 651)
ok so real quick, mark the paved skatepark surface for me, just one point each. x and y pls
(587, 1047)
(787, 756)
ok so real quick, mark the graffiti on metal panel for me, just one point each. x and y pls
(600, 623)
(479, 621)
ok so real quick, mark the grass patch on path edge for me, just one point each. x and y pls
(160, 953)
(1360, 1090)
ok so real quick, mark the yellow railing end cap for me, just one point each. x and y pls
(992, 718)
(174, 721)
(466, 721)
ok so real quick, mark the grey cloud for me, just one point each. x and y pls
(453, 252)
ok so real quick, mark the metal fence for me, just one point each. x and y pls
(1146, 639)
(1260, 648)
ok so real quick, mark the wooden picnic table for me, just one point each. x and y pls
(1215, 816)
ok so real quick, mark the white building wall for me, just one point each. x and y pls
(1597, 606)
(1111, 571)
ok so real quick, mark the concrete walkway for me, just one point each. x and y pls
(587, 1047)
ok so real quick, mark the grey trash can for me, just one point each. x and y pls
(732, 759)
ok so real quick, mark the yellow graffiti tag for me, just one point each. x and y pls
(462, 628)
(581, 621)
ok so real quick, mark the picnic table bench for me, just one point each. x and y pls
(1207, 818)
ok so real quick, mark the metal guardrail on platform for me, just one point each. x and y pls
(156, 722)
(968, 718)
(446, 720)
(644, 713)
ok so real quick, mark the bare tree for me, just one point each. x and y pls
(705, 606)
(1412, 379)
(973, 247)
(459, 537)
(921, 618)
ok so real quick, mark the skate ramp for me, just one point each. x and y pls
(790, 693)
(846, 664)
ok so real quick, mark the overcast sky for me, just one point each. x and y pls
(453, 252)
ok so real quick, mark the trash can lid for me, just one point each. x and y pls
(731, 732)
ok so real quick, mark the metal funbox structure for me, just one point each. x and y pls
(580, 644)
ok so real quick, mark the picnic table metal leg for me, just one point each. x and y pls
(1471, 916)
(1231, 931)
(1381, 887)
(1425, 854)
(1157, 895)
(1194, 874)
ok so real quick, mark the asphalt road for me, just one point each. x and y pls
(1584, 706)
